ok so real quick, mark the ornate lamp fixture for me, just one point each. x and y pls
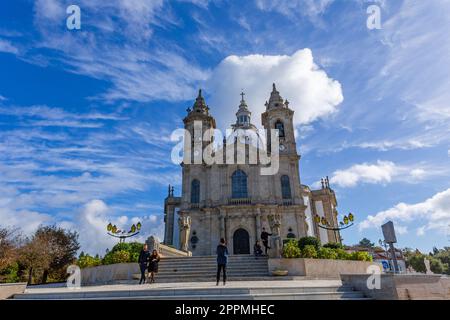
(323, 223)
(115, 232)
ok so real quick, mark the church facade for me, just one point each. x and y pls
(233, 200)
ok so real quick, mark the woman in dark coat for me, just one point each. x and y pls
(153, 265)
(144, 257)
(222, 259)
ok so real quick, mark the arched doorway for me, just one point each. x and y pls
(241, 242)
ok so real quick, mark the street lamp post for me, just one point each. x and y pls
(346, 222)
(115, 232)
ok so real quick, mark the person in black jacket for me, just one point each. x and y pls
(144, 257)
(257, 251)
(153, 265)
(222, 260)
(265, 239)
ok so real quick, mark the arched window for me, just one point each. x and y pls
(195, 191)
(280, 126)
(239, 184)
(285, 187)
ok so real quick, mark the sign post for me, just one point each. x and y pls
(390, 238)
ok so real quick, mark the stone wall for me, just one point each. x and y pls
(7, 290)
(403, 287)
(320, 268)
(108, 273)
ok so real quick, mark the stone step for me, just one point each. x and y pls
(221, 292)
(213, 258)
(237, 267)
(211, 265)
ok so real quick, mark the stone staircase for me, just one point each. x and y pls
(193, 278)
(192, 269)
(206, 292)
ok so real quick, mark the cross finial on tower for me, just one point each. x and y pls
(242, 95)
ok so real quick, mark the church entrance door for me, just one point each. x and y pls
(241, 242)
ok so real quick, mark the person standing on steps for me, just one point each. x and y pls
(143, 260)
(222, 260)
(153, 265)
(265, 239)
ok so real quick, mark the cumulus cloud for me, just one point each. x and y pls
(380, 172)
(432, 214)
(91, 224)
(383, 172)
(311, 93)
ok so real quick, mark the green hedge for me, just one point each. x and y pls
(120, 253)
(310, 248)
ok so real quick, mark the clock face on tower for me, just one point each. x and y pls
(282, 147)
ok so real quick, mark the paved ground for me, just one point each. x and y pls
(189, 285)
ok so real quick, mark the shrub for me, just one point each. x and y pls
(291, 250)
(133, 249)
(342, 254)
(120, 256)
(10, 273)
(436, 266)
(327, 253)
(309, 241)
(333, 245)
(417, 262)
(85, 261)
(361, 256)
(309, 252)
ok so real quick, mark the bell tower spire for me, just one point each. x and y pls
(243, 115)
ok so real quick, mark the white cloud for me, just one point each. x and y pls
(120, 47)
(8, 47)
(312, 9)
(311, 93)
(433, 214)
(417, 69)
(383, 172)
(91, 224)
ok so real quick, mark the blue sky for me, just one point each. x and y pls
(86, 115)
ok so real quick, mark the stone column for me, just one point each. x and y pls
(258, 222)
(222, 224)
(170, 219)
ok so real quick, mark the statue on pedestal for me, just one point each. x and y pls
(152, 243)
(184, 222)
(276, 245)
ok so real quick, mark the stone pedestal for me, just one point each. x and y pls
(276, 247)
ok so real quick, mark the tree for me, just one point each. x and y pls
(9, 241)
(34, 256)
(365, 243)
(48, 252)
(62, 246)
